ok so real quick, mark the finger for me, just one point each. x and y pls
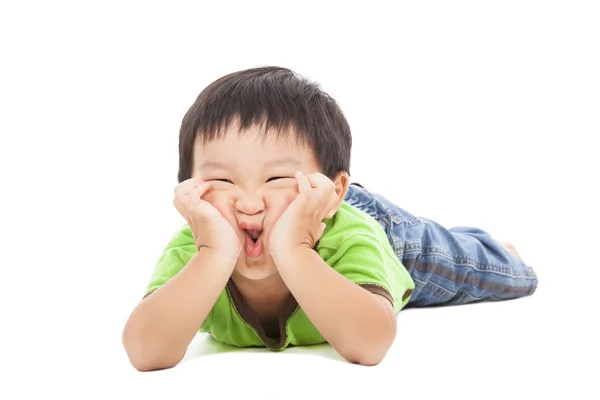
(193, 197)
(318, 180)
(196, 194)
(326, 192)
(303, 183)
(186, 186)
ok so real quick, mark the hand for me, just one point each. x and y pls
(210, 229)
(301, 224)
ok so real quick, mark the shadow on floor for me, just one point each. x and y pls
(204, 345)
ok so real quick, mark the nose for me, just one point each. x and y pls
(250, 203)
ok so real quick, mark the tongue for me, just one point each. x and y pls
(253, 249)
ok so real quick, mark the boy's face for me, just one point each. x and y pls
(252, 184)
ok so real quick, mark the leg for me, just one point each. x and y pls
(449, 266)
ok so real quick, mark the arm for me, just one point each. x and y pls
(359, 325)
(163, 324)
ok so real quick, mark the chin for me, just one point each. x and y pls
(255, 272)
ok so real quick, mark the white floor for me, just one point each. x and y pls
(541, 346)
(533, 347)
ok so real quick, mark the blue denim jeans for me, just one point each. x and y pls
(449, 266)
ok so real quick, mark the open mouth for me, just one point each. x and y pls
(253, 234)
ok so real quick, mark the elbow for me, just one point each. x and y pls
(145, 356)
(369, 356)
(372, 348)
(150, 365)
(146, 363)
(369, 359)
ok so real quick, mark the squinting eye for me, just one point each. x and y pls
(222, 180)
(278, 177)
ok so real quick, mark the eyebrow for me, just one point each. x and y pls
(278, 161)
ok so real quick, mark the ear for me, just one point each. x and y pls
(341, 182)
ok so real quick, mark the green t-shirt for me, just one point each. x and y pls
(353, 243)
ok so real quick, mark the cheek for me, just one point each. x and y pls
(278, 201)
(221, 201)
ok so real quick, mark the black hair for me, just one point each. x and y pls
(276, 99)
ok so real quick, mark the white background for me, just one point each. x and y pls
(470, 113)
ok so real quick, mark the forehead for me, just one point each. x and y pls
(254, 147)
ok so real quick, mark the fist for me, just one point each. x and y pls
(209, 228)
(301, 224)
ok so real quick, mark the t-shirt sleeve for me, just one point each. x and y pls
(364, 260)
(180, 249)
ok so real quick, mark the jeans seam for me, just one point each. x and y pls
(461, 261)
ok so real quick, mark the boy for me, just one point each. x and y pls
(280, 249)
